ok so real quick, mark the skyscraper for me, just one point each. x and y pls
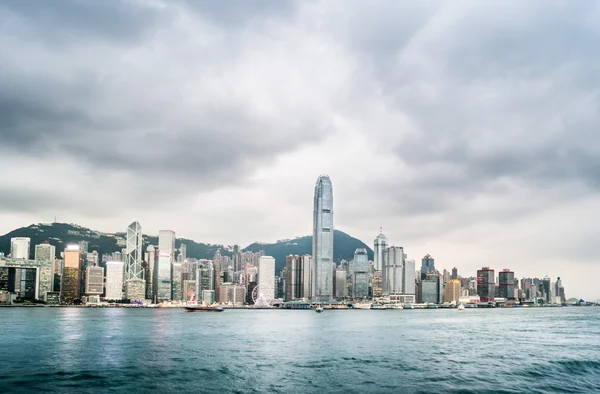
(94, 280)
(398, 275)
(176, 282)
(381, 245)
(205, 282)
(341, 287)
(452, 291)
(19, 247)
(486, 285)
(166, 253)
(506, 279)
(427, 266)
(71, 280)
(114, 280)
(135, 284)
(298, 277)
(45, 252)
(323, 239)
(360, 274)
(266, 277)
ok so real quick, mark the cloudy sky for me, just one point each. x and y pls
(468, 130)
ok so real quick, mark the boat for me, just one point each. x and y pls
(319, 309)
(200, 308)
(461, 307)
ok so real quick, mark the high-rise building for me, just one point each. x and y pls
(176, 283)
(135, 283)
(360, 274)
(381, 245)
(452, 291)
(377, 286)
(166, 253)
(94, 280)
(266, 277)
(545, 287)
(183, 251)
(151, 261)
(323, 230)
(19, 247)
(114, 280)
(341, 287)
(71, 280)
(486, 285)
(427, 266)
(298, 277)
(506, 279)
(454, 273)
(431, 289)
(45, 252)
(205, 281)
(398, 275)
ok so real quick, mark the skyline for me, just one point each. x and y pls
(465, 130)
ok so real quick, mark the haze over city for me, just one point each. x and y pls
(467, 130)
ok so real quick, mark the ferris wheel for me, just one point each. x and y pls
(262, 295)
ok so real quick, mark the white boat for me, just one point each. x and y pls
(461, 307)
(319, 309)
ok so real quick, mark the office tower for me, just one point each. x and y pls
(71, 281)
(266, 277)
(19, 248)
(176, 289)
(446, 275)
(183, 251)
(205, 281)
(341, 286)
(431, 289)
(452, 291)
(166, 253)
(381, 244)
(507, 284)
(377, 285)
(560, 291)
(360, 274)
(298, 277)
(94, 280)
(398, 275)
(545, 288)
(114, 280)
(151, 260)
(45, 252)
(135, 283)
(323, 239)
(427, 266)
(454, 273)
(486, 286)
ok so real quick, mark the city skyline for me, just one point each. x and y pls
(465, 130)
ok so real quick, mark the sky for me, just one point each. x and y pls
(468, 130)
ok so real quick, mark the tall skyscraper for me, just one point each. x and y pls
(152, 260)
(486, 285)
(381, 245)
(427, 266)
(506, 279)
(360, 274)
(45, 252)
(183, 251)
(71, 280)
(398, 275)
(135, 283)
(114, 280)
(166, 253)
(323, 239)
(298, 277)
(266, 277)
(205, 282)
(19, 247)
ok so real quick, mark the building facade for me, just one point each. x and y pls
(323, 231)
(427, 266)
(486, 285)
(72, 275)
(506, 280)
(94, 281)
(135, 281)
(298, 277)
(360, 274)
(266, 277)
(114, 280)
(45, 252)
(452, 291)
(380, 245)
(166, 254)
(19, 248)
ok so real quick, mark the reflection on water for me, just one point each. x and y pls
(167, 350)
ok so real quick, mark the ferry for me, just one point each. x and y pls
(200, 308)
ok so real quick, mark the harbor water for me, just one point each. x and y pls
(513, 350)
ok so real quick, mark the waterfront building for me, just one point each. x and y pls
(176, 285)
(545, 288)
(341, 287)
(323, 231)
(28, 279)
(446, 275)
(94, 281)
(452, 290)
(114, 280)
(377, 285)
(398, 275)
(380, 245)
(486, 285)
(506, 279)
(45, 252)
(427, 266)
(19, 248)
(560, 291)
(71, 279)
(360, 274)
(166, 253)
(151, 261)
(266, 277)
(135, 281)
(205, 281)
(431, 289)
(298, 277)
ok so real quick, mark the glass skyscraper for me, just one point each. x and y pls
(381, 244)
(135, 284)
(323, 239)
(166, 253)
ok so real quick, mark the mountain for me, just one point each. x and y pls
(344, 246)
(60, 234)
